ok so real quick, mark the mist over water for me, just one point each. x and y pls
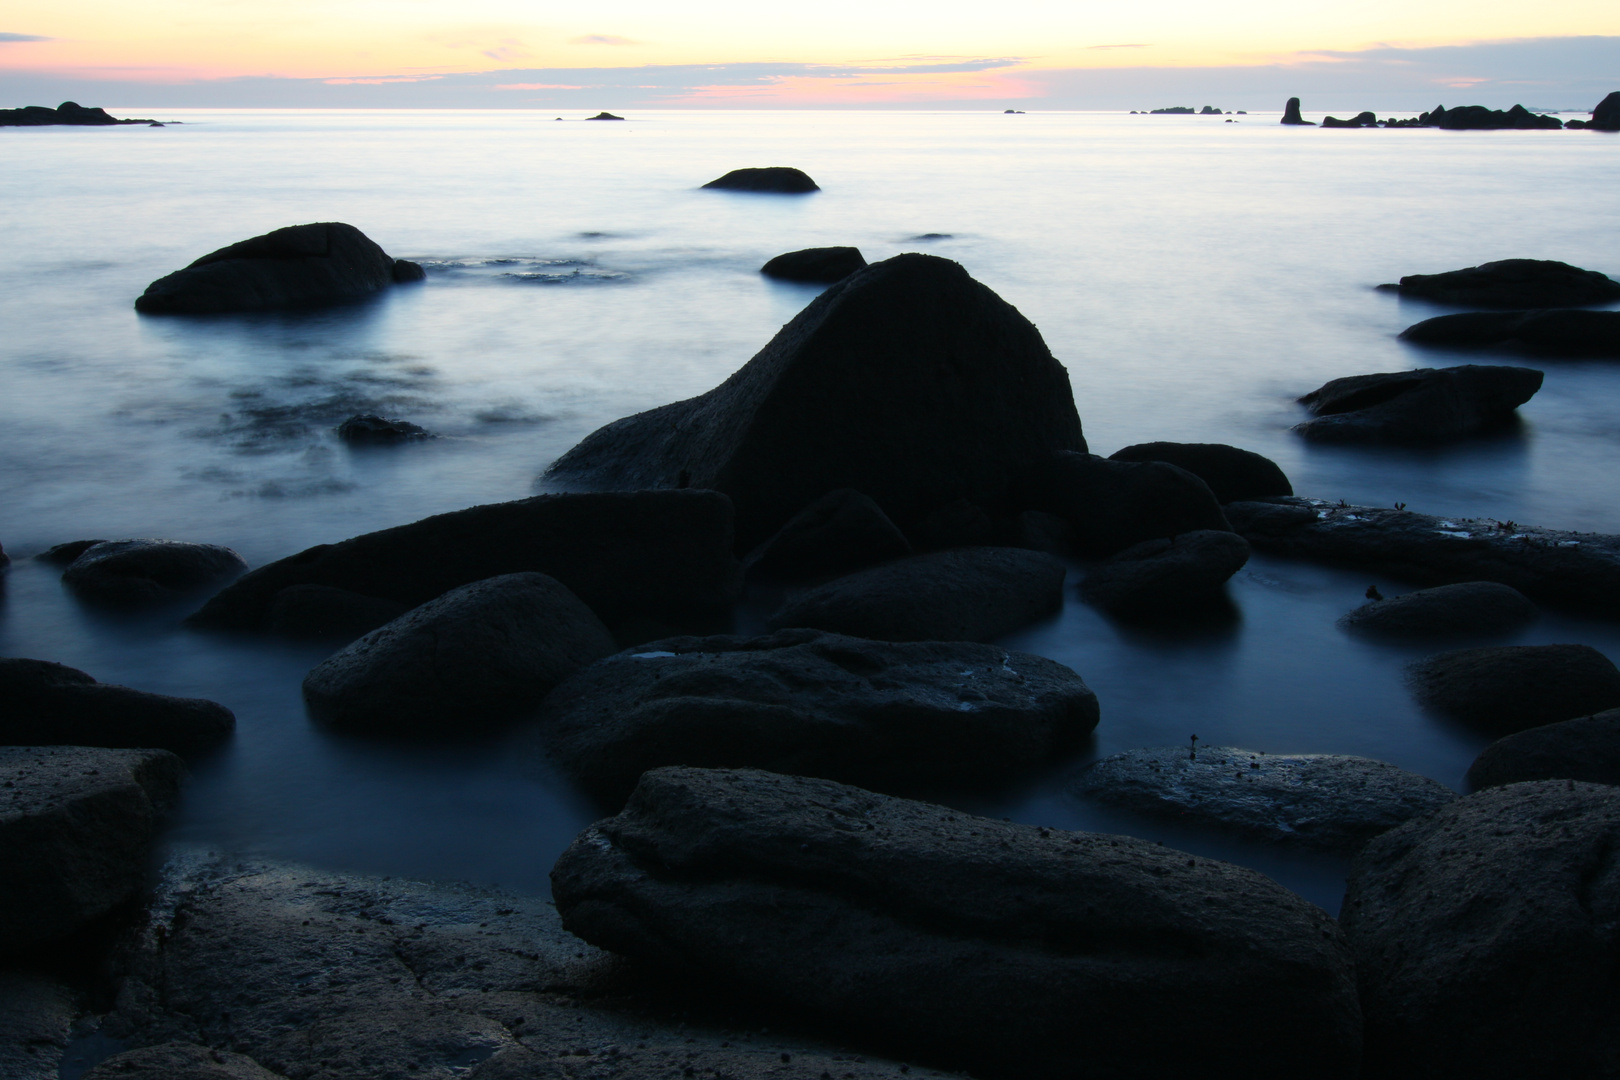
(1194, 276)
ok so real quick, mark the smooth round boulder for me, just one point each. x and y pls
(468, 661)
(1514, 283)
(1484, 936)
(1112, 505)
(1467, 608)
(1586, 748)
(1161, 577)
(968, 594)
(1570, 333)
(1423, 406)
(842, 531)
(881, 714)
(1321, 802)
(76, 828)
(1231, 473)
(817, 266)
(1510, 688)
(50, 704)
(139, 573)
(776, 179)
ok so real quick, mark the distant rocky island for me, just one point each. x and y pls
(1605, 117)
(69, 112)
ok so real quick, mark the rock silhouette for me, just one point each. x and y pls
(777, 179)
(1513, 283)
(1291, 114)
(1423, 406)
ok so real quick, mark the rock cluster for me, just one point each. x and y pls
(69, 112)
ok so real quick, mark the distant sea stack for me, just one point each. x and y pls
(69, 112)
(1291, 114)
(604, 116)
(777, 179)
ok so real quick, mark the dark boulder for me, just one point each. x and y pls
(326, 262)
(1007, 950)
(840, 532)
(1230, 472)
(50, 704)
(470, 659)
(908, 381)
(633, 557)
(64, 554)
(1484, 936)
(323, 612)
(1606, 114)
(76, 829)
(69, 112)
(1360, 120)
(604, 115)
(1479, 118)
(960, 523)
(1579, 570)
(1422, 406)
(1291, 114)
(37, 1023)
(1324, 802)
(1464, 609)
(1512, 283)
(778, 179)
(1562, 332)
(1586, 748)
(368, 429)
(968, 594)
(1510, 688)
(813, 704)
(132, 573)
(1166, 577)
(823, 265)
(406, 272)
(1112, 505)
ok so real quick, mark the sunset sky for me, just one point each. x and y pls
(908, 53)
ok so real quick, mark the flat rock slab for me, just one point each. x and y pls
(1513, 687)
(1004, 949)
(1513, 283)
(469, 660)
(660, 556)
(774, 179)
(1166, 577)
(967, 594)
(1562, 332)
(50, 704)
(1231, 472)
(1586, 748)
(1423, 406)
(76, 826)
(1466, 608)
(140, 572)
(1484, 936)
(1571, 569)
(1327, 802)
(322, 976)
(817, 704)
(1112, 505)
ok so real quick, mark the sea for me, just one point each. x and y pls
(1195, 274)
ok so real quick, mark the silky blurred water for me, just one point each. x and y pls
(1195, 276)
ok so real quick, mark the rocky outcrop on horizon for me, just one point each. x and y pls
(69, 112)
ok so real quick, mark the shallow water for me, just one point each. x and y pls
(1194, 276)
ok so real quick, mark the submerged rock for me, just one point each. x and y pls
(823, 265)
(1004, 949)
(908, 381)
(371, 429)
(816, 704)
(76, 827)
(1563, 332)
(1164, 577)
(1512, 283)
(132, 573)
(779, 179)
(50, 704)
(967, 594)
(1483, 936)
(1326, 802)
(1112, 505)
(1426, 405)
(840, 532)
(1586, 748)
(1232, 474)
(1291, 114)
(468, 660)
(1466, 608)
(326, 262)
(1510, 688)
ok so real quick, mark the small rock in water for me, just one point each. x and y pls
(1513, 687)
(1467, 608)
(1586, 748)
(1564, 332)
(1423, 406)
(130, 573)
(1291, 114)
(604, 116)
(1513, 283)
(777, 179)
(1231, 473)
(370, 429)
(823, 265)
(49, 704)
(1166, 577)
(406, 271)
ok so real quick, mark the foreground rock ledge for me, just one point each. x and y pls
(1004, 949)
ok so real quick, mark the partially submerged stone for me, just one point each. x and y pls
(369, 429)
(1467, 608)
(1421, 406)
(777, 179)
(1004, 949)
(1510, 688)
(1232, 473)
(1513, 283)
(1112, 505)
(137, 573)
(1325, 802)
(1586, 748)
(47, 704)
(1291, 114)
(819, 266)
(1562, 332)
(1165, 577)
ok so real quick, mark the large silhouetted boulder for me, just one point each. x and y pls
(1112, 505)
(1426, 405)
(821, 266)
(1606, 115)
(1586, 748)
(48, 704)
(800, 701)
(1513, 283)
(1007, 950)
(776, 179)
(326, 262)
(635, 558)
(1467, 608)
(908, 381)
(134, 573)
(1291, 114)
(1565, 332)
(1230, 472)
(1510, 688)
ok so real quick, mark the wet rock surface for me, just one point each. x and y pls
(36, 1019)
(76, 827)
(1561, 332)
(1112, 505)
(1575, 570)
(48, 704)
(1232, 474)
(1325, 802)
(967, 594)
(886, 715)
(1162, 577)
(928, 928)
(1513, 283)
(1513, 687)
(840, 532)
(1466, 608)
(1586, 748)
(823, 265)
(908, 381)
(1422, 406)
(776, 179)
(180, 1061)
(326, 262)
(633, 557)
(135, 573)
(468, 660)
(1484, 940)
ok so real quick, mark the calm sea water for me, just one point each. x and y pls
(1195, 276)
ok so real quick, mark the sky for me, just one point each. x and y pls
(620, 54)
